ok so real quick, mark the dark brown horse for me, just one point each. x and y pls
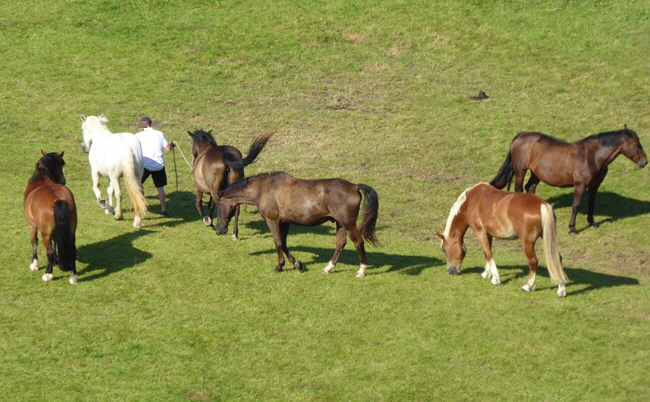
(215, 167)
(283, 200)
(504, 215)
(581, 165)
(50, 209)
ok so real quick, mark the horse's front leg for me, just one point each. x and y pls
(284, 231)
(578, 191)
(235, 229)
(591, 202)
(274, 227)
(34, 233)
(98, 193)
(533, 181)
(485, 240)
(529, 251)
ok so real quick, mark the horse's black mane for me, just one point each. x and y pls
(238, 185)
(201, 137)
(46, 166)
(611, 138)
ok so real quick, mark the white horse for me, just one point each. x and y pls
(114, 156)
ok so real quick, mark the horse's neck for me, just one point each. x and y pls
(100, 134)
(604, 155)
(244, 196)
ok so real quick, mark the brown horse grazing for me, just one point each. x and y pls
(215, 167)
(50, 209)
(504, 215)
(283, 200)
(581, 165)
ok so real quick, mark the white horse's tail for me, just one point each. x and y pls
(553, 257)
(134, 187)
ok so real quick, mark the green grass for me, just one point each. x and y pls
(372, 92)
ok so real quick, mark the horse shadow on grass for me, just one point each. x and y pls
(403, 264)
(111, 256)
(585, 279)
(608, 204)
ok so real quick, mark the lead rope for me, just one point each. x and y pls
(176, 171)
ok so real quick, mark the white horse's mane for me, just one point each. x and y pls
(455, 210)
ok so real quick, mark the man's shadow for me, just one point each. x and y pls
(607, 203)
(577, 278)
(181, 207)
(107, 257)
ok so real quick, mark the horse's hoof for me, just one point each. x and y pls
(573, 232)
(278, 269)
(34, 266)
(527, 288)
(561, 293)
(325, 271)
(495, 281)
(486, 275)
(594, 226)
(103, 203)
(360, 274)
(137, 225)
(207, 221)
(74, 280)
(234, 238)
(47, 277)
(299, 266)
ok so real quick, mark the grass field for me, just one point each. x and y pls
(372, 92)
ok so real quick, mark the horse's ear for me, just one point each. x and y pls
(61, 154)
(43, 152)
(190, 133)
(210, 132)
(440, 236)
(83, 118)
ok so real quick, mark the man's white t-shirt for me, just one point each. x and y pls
(153, 142)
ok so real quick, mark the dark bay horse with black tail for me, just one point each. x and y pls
(51, 210)
(581, 164)
(283, 200)
(504, 215)
(215, 167)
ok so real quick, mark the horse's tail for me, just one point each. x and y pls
(235, 163)
(505, 174)
(134, 188)
(64, 237)
(553, 257)
(370, 213)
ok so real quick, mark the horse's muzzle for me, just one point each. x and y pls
(642, 163)
(222, 229)
(453, 270)
(83, 146)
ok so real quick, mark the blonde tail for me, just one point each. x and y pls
(134, 187)
(553, 258)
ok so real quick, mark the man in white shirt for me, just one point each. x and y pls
(153, 142)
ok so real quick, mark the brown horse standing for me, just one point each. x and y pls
(581, 165)
(504, 215)
(50, 209)
(217, 166)
(283, 200)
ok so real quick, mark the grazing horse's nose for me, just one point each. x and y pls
(63, 181)
(642, 163)
(453, 270)
(221, 229)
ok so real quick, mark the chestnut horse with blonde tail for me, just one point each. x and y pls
(50, 209)
(494, 213)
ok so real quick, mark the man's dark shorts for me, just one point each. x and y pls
(159, 177)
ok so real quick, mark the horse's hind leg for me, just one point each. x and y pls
(591, 201)
(34, 234)
(533, 181)
(235, 229)
(356, 239)
(529, 250)
(98, 193)
(199, 207)
(279, 233)
(51, 256)
(340, 245)
(284, 231)
(115, 185)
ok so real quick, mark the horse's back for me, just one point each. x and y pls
(39, 203)
(552, 160)
(108, 155)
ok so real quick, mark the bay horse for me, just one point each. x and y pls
(50, 209)
(114, 156)
(495, 213)
(581, 164)
(283, 200)
(215, 167)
